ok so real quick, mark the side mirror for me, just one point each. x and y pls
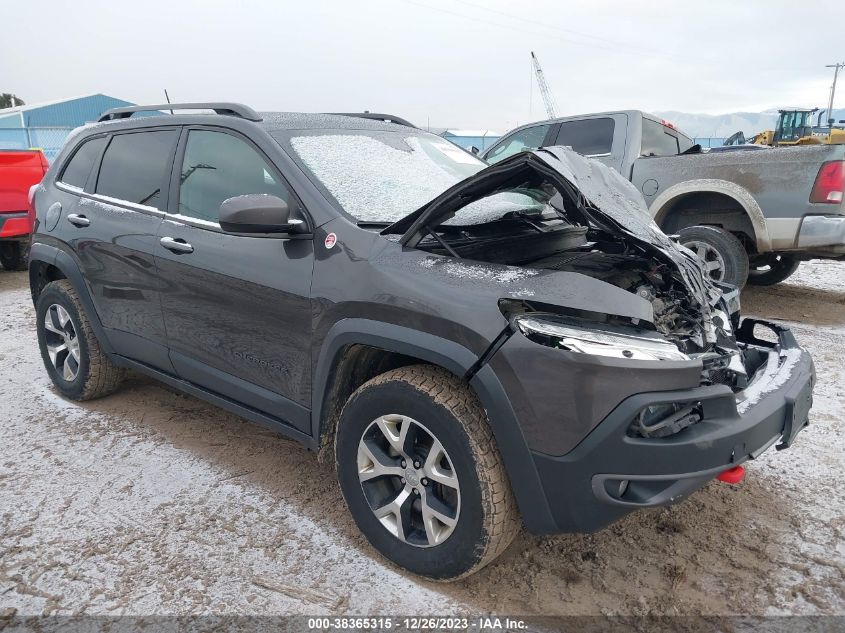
(256, 213)
(474, 150)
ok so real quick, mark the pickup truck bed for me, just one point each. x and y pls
(752, 215)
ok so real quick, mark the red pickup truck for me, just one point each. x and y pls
(20, 170)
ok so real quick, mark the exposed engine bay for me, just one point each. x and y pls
(555, 210)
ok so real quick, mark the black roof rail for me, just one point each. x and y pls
(376, 116)
(228, 109)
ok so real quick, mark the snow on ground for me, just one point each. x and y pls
(150, 502)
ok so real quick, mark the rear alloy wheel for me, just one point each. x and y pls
(77, 364)
(772, 270)
(61, 341)
(421, 474)
(14, 255)
(723, 254)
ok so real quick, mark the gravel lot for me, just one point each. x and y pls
(151, 502)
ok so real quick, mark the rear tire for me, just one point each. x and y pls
(408, 414)
(76, 363)
(722, 252)
(14, 255)
(773, 271)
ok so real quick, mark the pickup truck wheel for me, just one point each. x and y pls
(724, 255)
(420, 472)
(773, 270)
(14, 255)
(77, 365)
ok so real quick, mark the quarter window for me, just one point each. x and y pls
(524, 140)
(587, 136)
(79, 168)
(218, 166)
(135, 166)
(657, 140)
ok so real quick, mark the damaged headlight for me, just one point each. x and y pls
(559, 334)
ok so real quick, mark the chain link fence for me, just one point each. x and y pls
(47, 139)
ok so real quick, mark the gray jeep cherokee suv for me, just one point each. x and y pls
(477, 347)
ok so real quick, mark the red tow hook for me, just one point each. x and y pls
(733, 475)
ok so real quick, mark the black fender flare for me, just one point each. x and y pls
(62, 260)
(454, 357)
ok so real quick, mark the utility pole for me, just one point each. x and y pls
(830, 118)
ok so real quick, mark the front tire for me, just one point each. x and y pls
(14, 255)
(72, 355)
(450, 510)
(772, 270)
(723, 254)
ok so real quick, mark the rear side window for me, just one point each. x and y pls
(527, 139)
(218, 166)
(658, 140)
(589, 136)
(135, 166)
(79, 167)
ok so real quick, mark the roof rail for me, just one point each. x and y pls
(375, 116)
(228, 109)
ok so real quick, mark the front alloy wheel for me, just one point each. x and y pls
(721, 252)
(408, 480)
(714, 263)
(421, 473)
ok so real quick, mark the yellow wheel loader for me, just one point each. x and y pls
(795, 127)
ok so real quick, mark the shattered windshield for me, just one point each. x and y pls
(380, 177)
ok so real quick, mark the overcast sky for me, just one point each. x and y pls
(462, 63)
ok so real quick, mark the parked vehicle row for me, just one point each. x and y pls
(476, 348)
(750, 215)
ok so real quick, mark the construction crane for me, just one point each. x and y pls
(548, 99)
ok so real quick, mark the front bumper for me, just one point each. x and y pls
(15, 226)
(824, 234)
(609, 473)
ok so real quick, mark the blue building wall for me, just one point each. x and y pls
(481, 142)
(71, 113)
(47, 126)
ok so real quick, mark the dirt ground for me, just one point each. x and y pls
(151, 502)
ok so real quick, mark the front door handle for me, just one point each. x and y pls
(78, 220)
(176, 245)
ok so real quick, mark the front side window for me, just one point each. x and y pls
(79, 168)
(524, 140)
(589, 137)
(218, 166)
(658, 140)
(135, 166)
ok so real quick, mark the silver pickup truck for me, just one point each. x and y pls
(751, 215)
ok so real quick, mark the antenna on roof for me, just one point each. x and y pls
(167, 97)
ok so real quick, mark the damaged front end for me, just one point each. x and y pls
(554, 210)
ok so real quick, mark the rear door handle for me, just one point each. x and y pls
(78, 220)
(176, 245)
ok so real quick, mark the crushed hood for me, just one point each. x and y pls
(593, 193)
